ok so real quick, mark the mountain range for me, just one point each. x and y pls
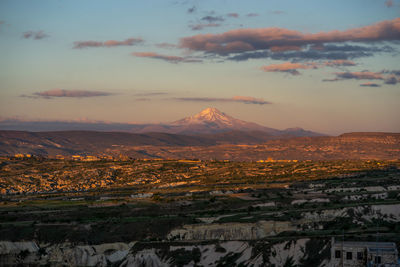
(208, 121)
(210, 134)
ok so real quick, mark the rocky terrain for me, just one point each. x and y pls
(192, 213)
(230, 253)
(238, 146)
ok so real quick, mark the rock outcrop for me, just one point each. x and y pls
(230, 231)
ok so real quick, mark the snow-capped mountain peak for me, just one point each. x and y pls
(209, 115)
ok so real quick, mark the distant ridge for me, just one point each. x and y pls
(208, 121)
(368, 134)
(232, 145)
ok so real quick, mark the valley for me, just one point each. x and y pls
(186, 212)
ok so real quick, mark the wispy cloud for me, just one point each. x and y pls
(233, 15)
(171, 59)
(250, 40)
(191, 9)
(369, 84)
(66, 93)
(166, 45)
(237, 99)
(339, 62)
(3, 23)
(212, 19)
(362, 75)
(198, 27)
(252, 15)
(109, 43)
(289, 67)
(143, 99)
(392, 80)
(293, 67)
(389, 3)
(314, 52)
(151, 94)
(36, 35)
(389, 77)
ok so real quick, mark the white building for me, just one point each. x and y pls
(370, 254)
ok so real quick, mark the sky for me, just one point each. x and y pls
(326, 66)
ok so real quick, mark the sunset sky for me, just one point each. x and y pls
(326, 66)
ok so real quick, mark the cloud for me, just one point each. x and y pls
(66, 93)
(289, 67)
(252, 15)
(198, 27)
(395, 72)
(38, 35)
(392, 80)
(233, 15)
(339, 62)
(278, 12)
(362, 75)
(235, 99)
(109, 43)
(191, 10)
(389, 3)
(166, 45)
(151, 94)
(390, 77)
(171, 59)
(313, 52)
(292, 67)
(250, 100)
(284, 48)
(247, 40)
(369, 84)
(212, 19)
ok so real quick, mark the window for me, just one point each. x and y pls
(349, 255)
(360, 255)
(378, 259)
(337, 254)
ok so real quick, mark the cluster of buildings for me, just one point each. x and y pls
(357, 254)
(277, 160)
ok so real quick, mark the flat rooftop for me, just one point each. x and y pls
(371, 245)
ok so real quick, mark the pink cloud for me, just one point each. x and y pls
(369, 84)
(35, 35)
(233, 15)
(166, 45)
(250, 100)
(389, 3)
(171, 59)
(339, 62)
(265, 38)
(362, 75)
(389, 77)
(109, 43)
(235, 99)
(284, 48)
(67, 93)
(289, 67)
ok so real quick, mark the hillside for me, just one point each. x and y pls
(233, 145)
